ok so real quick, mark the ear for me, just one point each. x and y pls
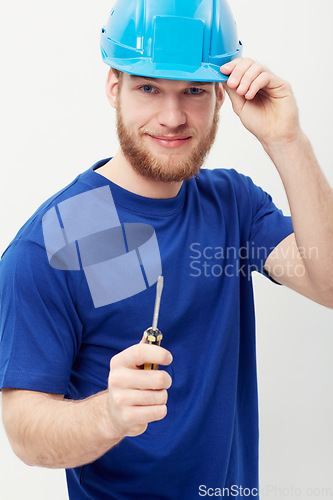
(221, 97)
(111, 88)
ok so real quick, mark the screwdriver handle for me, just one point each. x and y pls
(154, 337)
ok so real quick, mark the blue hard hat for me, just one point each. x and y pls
(172, 39)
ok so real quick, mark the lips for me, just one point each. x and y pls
(171, 138)
(170, 142)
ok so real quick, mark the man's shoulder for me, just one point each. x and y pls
(220, 175)
(224, 181)
(32, 229)
(82, 183)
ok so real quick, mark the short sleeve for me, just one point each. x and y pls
(268, 226)
(40, 331)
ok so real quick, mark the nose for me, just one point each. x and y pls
(171, 113)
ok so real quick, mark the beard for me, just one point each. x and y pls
(171, 167)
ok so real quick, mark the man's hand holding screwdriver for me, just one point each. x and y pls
(138, 397)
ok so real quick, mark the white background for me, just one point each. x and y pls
(56, 122)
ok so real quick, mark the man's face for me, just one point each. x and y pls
(165, 127)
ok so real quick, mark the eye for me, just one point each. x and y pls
(196, 91)
(147, 89)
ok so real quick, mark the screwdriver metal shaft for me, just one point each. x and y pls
(159, 288)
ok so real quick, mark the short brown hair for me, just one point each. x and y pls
(119, 74)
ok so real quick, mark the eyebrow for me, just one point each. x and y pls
(193, 84)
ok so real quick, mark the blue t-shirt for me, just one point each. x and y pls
(77, 286)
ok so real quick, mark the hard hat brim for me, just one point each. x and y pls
(140, 67)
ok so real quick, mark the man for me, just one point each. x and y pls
(71, 326)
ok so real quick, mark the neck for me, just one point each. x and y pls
(119, 171)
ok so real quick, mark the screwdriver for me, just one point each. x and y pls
(153, 334)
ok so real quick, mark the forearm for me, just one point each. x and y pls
(48, 431)
(311, 204)
(59, 433)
